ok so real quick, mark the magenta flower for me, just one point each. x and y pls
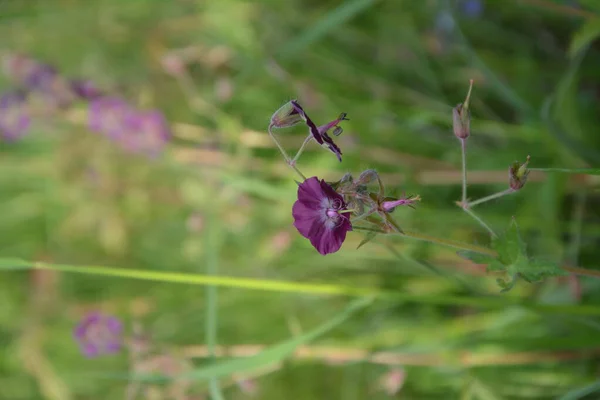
(107, 116)
(146, 132)
(389, 205)
(99, 334)
(320, 133)
(14, 116)
(85, 89)
(318, 215)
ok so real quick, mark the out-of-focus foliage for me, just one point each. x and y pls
(217, 198)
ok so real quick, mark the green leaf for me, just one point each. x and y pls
(509, 245)
(537, 270)
(368, 237)
(588, 32)
(477, 258)
(8, 264)
(513, 261)
(271, 355)
(586, 171)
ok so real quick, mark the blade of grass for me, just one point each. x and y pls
(271, 355)
(304, 288)
(213, 244)
(321, 28)
(582, 392)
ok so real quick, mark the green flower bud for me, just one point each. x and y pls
(517, 174)
(286, 116)
(461, 117)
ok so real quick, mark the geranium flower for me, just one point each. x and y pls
(147, 132)
(14, 116)
(319, 217)
(107, 116)
(99, 334)
(320, 133)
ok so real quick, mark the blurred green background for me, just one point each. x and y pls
(219, 200)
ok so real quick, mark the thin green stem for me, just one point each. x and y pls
(448, 243)
(212, 240)
(481, 221)
(490, 197)
(463, 147)
(285, 155)
(582, 271)
(279, 146)
(306, 141)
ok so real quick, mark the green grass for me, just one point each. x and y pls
(198, 249)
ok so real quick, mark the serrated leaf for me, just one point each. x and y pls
(509, 245)
(538, 270)
(477, 258)
(507, 285)
(513, 260)
(368, 237)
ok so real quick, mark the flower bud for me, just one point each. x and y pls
(461, 117)
(390, 204)
(367, 177)
(286, 116)
(517, 174)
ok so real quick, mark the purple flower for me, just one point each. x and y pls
(107, 115)
(389, 205)
(146, 132)
(320, 133)
(85, 89)
(14, 115)
(472, 8)
(41, 77)
(99, 334)
(318, 215)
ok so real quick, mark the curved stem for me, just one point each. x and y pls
(481, 221)
(582, 271)
(490, 197)
(306, 141)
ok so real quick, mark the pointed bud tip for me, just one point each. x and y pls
(517, 174)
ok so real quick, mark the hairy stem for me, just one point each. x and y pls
(463, 147)
(490, 197)
(290, 162)
(306, 141)
(481, 221)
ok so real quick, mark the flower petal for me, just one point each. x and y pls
(311, 125)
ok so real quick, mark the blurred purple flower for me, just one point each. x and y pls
(146, 132)
(107, 115)
(14, 116)
(99, 334)
(85, 89)
(317, 215)
(40, 78)
(472, 8)
(320, 133)
(392, 381)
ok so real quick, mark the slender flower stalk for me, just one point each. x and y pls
(463, 148)
(301, 149)
(490, 197)
(481, 222)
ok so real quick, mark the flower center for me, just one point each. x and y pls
(332, 213)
